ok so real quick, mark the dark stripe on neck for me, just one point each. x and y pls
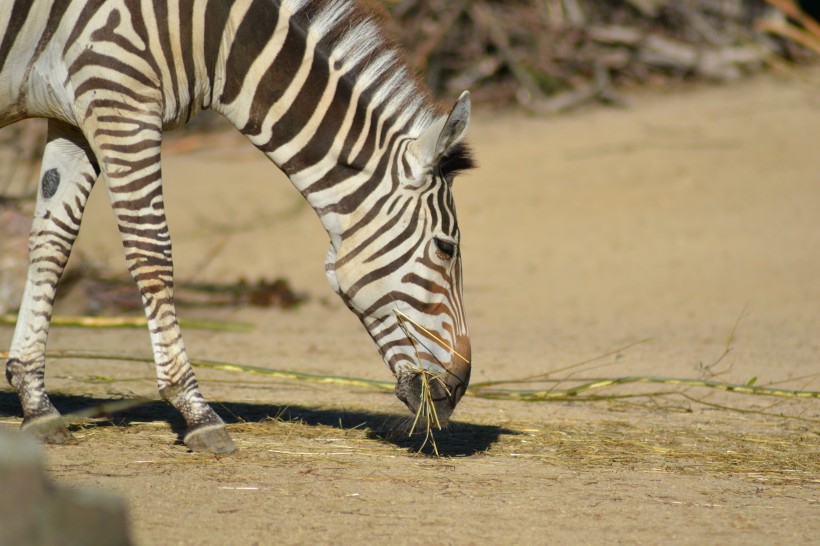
(216, 19)
(303, 105)
(54, 17)
(88, 11)
(276, 80)
(186, 38)
(164, 30)
(19, 14)
(254, 32)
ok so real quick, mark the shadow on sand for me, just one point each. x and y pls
(459, 439)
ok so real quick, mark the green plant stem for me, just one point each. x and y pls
(574, 393)
(599, 383)
(231, 367)
(85, 321)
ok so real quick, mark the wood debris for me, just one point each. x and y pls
(553, 55)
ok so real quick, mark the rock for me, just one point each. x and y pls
(35, 512)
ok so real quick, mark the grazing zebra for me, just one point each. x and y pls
(317, 88)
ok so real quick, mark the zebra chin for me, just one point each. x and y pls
(446, 387)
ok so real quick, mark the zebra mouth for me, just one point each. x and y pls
(410, 390)
(444, 392)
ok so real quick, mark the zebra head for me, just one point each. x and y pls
(400, 273)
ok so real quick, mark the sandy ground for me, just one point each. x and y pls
(674, 220)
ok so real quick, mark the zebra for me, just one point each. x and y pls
(319, 89)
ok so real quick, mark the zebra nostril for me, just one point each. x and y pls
(408, 389)
(457, 392)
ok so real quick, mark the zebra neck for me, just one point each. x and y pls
(314, 86)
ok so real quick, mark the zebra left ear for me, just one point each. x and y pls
(445, 133)
(455, 127)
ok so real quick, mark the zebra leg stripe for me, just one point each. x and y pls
(128, 150)
(66, 179)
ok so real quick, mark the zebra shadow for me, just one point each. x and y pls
(459, 439)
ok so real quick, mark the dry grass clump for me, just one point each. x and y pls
(770, 453)
(426, 414)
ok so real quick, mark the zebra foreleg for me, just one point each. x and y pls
(132, 174)
(66, 179)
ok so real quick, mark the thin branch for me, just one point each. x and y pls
(599, 383)
(85, 321)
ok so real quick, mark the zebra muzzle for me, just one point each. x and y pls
(441, 390)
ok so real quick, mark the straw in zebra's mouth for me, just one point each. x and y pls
(426, 410)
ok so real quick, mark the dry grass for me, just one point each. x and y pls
(769, 452)
(581, 389)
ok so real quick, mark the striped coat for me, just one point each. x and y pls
(317, 88)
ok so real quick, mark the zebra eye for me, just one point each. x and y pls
(445, 249)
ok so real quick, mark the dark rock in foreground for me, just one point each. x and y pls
(35, 512)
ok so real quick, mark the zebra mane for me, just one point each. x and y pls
(351, 37)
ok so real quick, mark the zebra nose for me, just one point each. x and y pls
(458, 372)
(448, 392)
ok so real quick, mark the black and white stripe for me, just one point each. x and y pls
(316, 87)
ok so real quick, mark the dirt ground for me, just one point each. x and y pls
(674, 220)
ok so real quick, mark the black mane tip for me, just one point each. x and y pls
(458, 159)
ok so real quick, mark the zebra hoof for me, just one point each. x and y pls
(210, 439)
(49, 429)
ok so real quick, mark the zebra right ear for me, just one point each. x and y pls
(442, 135)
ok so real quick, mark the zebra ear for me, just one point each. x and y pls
(442, 135)
(455, 127)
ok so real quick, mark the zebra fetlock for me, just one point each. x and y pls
(41, 417)
(205, 429)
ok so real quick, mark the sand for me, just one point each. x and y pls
(690, 219)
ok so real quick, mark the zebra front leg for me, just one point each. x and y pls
(132, 174)
(67, 176)
(147, 245)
